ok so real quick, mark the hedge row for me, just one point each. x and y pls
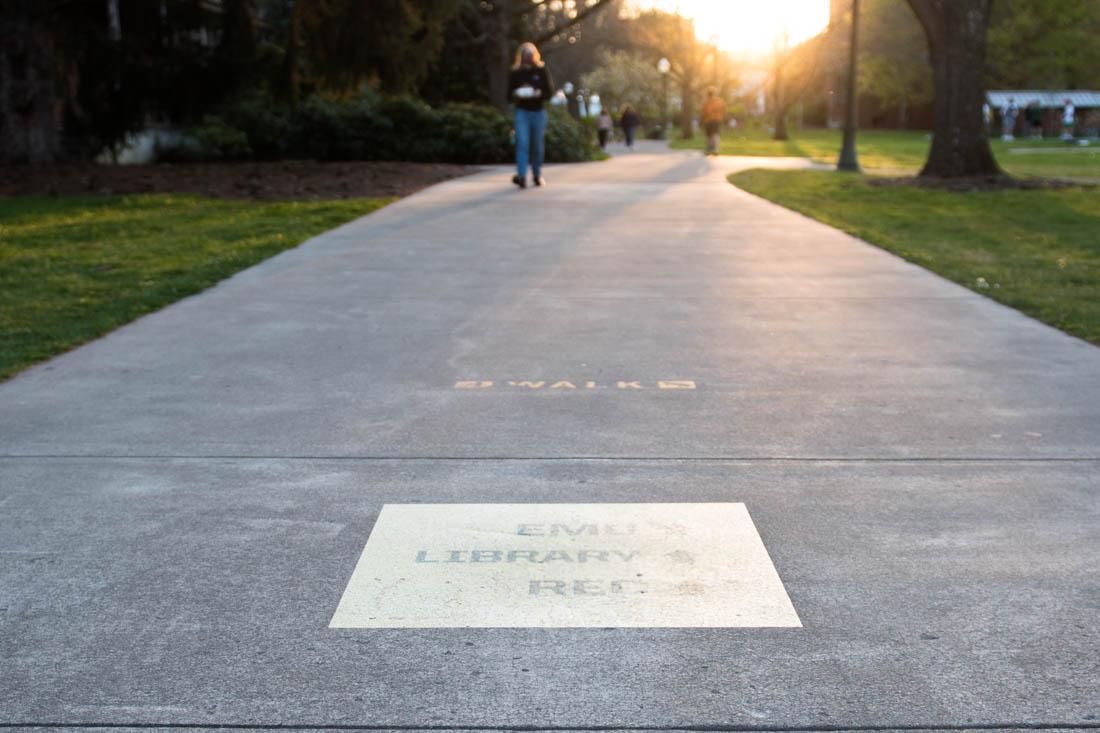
(371, 128)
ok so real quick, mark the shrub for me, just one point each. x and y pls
(218, 139)
(265, 124)
(327, 129)
(567, 140)
(369, 128)
(414, 131)
(476, 133)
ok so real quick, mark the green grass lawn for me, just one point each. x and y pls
(72, 269)
(901, 152)
(1037, 251)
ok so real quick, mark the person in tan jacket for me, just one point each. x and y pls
(713, 116)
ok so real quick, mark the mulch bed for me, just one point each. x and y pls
(289, 180)
(979, 183)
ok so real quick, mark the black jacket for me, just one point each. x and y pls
(533, 76)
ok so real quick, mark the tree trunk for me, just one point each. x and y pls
(497, 68)
(30, 123)
(781, 125)
(956, 31)
(291, 76)
(687, 95)
(114, 21)
(238, 42)
(498, 54)
(780, 106)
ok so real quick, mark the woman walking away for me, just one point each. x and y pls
(629, 120)
(713, 117)
(604, 126)
(529, 86)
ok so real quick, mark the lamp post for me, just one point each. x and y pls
(849, 161)
(663, 67)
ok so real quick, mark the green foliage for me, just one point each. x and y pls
(108, 87)
(72, 269)
(567, 141)
(328, 129)
(266, 122)
(368, 127)
(1044, 44)
(479, 132)
(893, 64)
(1035, 251)
(391, 43)
(222, 140)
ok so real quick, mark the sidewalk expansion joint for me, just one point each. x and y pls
(520, 459)
(577, 729)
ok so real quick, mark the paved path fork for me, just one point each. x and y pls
(182, 503)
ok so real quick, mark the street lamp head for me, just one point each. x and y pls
(664, 66)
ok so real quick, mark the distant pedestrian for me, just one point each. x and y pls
(1008, 120)
(529, 86)
(604, 127)
(1034, 117)
(713, 116)
(629, 119)
(1069, 120)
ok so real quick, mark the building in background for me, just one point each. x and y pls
(1052, 102)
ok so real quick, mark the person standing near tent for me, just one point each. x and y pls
(1008, 120)
(529, 87)
(713, 116)
(1069, 119)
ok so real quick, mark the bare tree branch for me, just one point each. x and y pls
(579, 17)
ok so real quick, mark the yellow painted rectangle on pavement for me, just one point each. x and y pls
(564, 565)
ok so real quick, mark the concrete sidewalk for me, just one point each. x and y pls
(184, 502)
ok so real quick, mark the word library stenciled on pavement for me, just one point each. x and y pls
(564, 565)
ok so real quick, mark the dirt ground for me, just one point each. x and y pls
(290, 180)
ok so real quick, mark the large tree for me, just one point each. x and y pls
(956, 31)
(342, 44)
(78, 76)
(672, 36)
(794, 71)
(622, 77)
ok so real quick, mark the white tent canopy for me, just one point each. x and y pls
(1048, 99)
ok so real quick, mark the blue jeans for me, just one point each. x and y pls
(530, 131)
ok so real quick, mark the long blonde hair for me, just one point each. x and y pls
(536, 57)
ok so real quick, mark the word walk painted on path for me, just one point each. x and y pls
(566, 385)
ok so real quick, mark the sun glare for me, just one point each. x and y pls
(749, 26)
